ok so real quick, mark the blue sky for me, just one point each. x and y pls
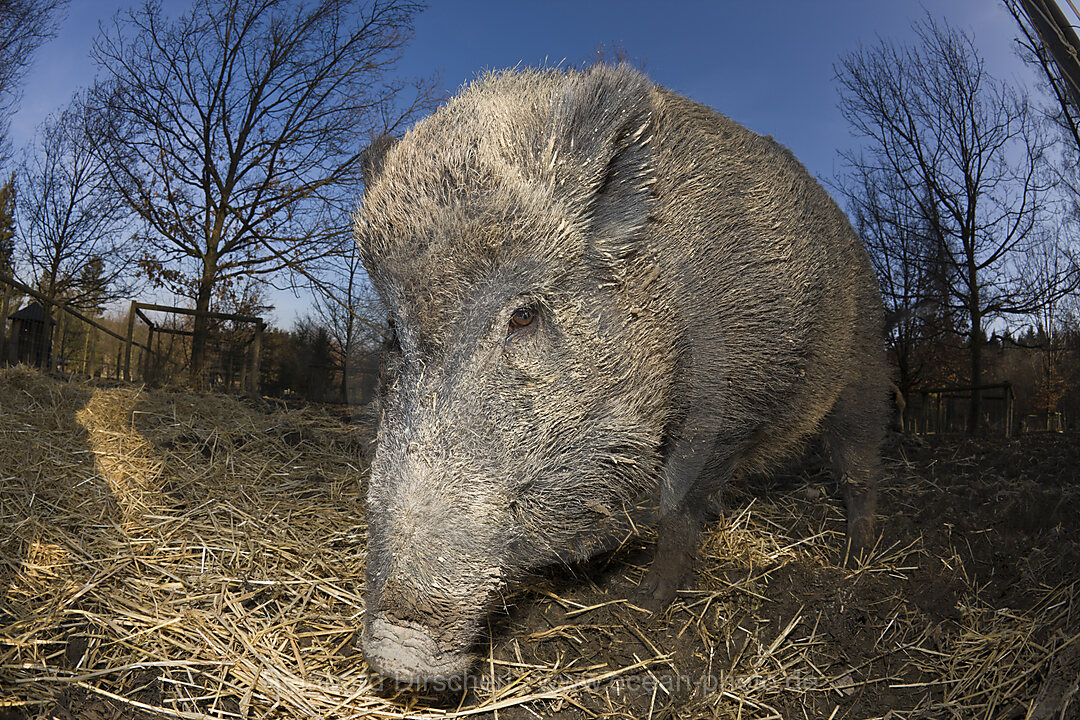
(765, 63)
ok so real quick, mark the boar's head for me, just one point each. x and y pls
(521, 404)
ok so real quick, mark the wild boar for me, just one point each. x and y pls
(599, 291)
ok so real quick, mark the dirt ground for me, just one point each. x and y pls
(967, 609)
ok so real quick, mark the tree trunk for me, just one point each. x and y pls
(344, 379)
(904, 351)
(975, 313)
(975, 410)
(201, 330)
(229, 368)
(5, 298)
(61, 331)
(346, 352)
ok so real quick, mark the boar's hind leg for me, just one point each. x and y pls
(854, 431)
(684, 503)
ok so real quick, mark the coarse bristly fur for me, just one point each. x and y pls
(599, 290)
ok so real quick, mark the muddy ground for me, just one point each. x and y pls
(967, 609)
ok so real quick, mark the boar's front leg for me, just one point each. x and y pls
(684, 509)
(853, 432)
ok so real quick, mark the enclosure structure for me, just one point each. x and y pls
(31, 336)
(939, 411)
(58, 312)
(31, 341)
(250, 369)
(1043, 422)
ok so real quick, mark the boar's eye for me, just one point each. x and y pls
(520, 319)
(391, 341)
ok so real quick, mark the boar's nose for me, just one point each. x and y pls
(407, 653)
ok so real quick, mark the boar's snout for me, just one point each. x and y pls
(431, 577)
(407, 653)
(414, 638)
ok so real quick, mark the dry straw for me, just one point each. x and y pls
(198, 556)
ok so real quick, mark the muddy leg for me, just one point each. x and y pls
(684, 507)
(854, 432)
(860, 497)
(673, 565)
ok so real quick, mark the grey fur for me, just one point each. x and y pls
(701, 307)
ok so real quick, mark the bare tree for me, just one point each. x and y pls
(237, 131)
(1051, 271)
(967, 152)
(905, 255)
(349, 309)
(24, 26)
(70, 218)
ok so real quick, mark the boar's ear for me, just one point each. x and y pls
(371, 159)
(603, 122)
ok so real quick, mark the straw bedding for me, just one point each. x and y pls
(166, 554)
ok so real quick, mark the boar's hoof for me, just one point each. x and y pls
(408, 654)
(860, 541)
(668, 573)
